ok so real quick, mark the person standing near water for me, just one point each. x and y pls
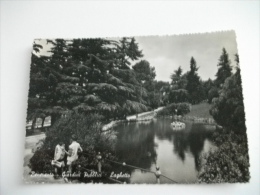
(59, 157)
(74, 147)
(175, 116)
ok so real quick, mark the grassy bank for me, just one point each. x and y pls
(200, 110)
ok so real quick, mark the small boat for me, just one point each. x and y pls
(176, 125)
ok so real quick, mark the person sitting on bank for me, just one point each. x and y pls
(59, 157)
(74, 147)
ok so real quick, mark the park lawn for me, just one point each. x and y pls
(200, 110)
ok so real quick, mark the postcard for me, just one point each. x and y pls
(136, 110)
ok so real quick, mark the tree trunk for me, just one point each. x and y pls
(33, 124)
(43, 119)
(54, 118)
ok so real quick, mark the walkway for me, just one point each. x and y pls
(144, 114)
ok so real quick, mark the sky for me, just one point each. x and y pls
(167, 53)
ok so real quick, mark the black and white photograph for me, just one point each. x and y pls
(129, 97)
(136, 110)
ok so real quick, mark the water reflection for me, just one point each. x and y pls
(145, 144)
(136, 145)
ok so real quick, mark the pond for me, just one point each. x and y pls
(150, 143)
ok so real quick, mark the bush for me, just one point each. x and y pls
(228, 109)
(87, 129)
(179, 95)
(41, 161)
(229, 162)
(213, 93)
(182, 108)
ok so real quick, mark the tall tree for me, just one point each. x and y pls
(85, 75)
(177, 92)
(177, 79)
(224, 70)
(128, 50)
(193, 83)
(230, 161)
(228, 108)
(209, 89)
(32, 111)
(144, 72)
(162, 88)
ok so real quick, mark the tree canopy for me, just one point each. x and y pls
(228, 108)
(85, 75)
(225, 69)
(193, 83)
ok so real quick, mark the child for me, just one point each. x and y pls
(59, 157)
(73, 153)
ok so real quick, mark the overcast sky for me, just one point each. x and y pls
(167, 53)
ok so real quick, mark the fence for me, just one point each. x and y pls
(142, 116)
(199, 120)
(157, 173)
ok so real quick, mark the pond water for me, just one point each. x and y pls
(150, 143)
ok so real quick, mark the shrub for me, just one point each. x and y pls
(41, 161)
(179, 95)
(87, 129)
(229, 162)
(182, 108)
(213, 93)
(228, 109)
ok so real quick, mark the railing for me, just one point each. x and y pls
(157, 173)
(141, 116)
(200, 120)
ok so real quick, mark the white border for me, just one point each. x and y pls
(22, 21)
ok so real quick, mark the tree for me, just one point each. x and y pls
(145, 75)
(162, 88)
(128, 50)
(160, 85)
(154, 100)
(230, 161)
(193, 83)
(210, 91)
(177, 92)
(38, 83)
(176, 77)
(144, 72)
(179, 80)
(178, 95)
(228, 108)
(225, 69)
(170, 109)
(49, 83)
(85, 75)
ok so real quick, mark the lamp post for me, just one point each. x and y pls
(142, 82)
(99, 157)
(158, 174)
